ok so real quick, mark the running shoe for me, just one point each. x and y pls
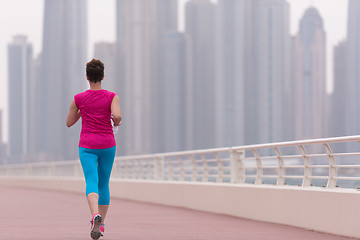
(102, 229)
(95, 226)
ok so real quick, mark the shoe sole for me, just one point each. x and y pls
(95, 231)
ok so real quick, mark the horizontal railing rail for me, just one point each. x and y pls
(326, 162)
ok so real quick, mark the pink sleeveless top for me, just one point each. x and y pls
(95, 109)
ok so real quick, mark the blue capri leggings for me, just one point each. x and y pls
(97, 165)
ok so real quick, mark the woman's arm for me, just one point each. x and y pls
(73, 115)
(115, 111)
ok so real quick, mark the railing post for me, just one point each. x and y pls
(171, 168)
(259, 168)
(194, 169)
(127, 169)
(237, 169)
(134, 173)
(122, 167)
(182, 170)
(307, 167)
(205, 177)
(220, 177)
(119, 169)
(159, 168)
(332, 167)
(148, 171)
(140, 169)
(281, 168)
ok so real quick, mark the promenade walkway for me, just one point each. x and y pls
(38, 214)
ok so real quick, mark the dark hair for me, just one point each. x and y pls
(95, 70)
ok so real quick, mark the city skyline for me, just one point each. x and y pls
(270, 80)
(29, 23)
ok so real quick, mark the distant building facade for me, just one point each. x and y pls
(337, 120)
(236, 122)
(140, 27)
(20, 59)
(167, 23)
(35, 112)
(310, 77)
(253, 72)
(63, 65)
(174, 93)
(272, 71)
(200, 23)
(353, 70)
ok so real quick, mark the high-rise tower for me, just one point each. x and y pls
(310, 77)
(200, 22)
(234, 79)
(337, 126)
(63, 62)
(174, 93)
(140, 28)
(272, 67)
(20, 56)
(353, 69)
(338, 107)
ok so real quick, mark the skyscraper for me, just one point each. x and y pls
(140, 26)
(272, 67)
(174, 93)
(338, 108)
(63, 61)
(166, 22)
(353, 69)
(310, 77)
(200, 22)
(337, 117)
(20, 59)
(234, 79)
(35, 112)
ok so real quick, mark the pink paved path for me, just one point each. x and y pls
(37, 214)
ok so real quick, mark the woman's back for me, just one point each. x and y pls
(95, 109)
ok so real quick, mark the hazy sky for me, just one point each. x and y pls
(25, 17)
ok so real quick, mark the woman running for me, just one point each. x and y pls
(97, 145)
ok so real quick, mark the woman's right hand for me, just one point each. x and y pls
(115, 125)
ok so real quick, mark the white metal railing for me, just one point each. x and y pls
(319, 162)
